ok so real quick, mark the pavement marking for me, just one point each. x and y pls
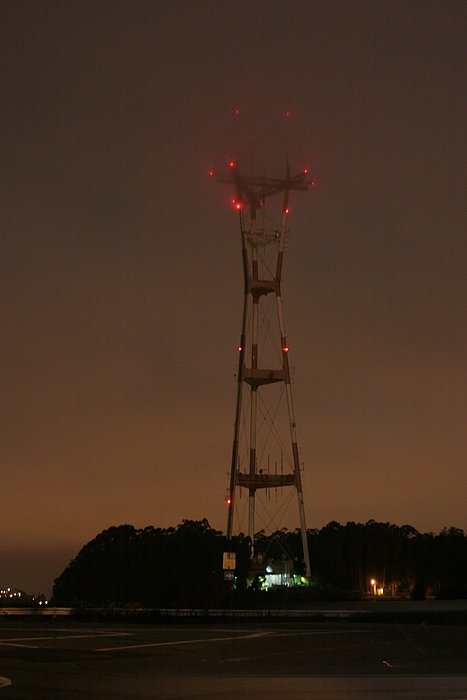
(253, 635)
(103, 630)
(186, 641)
(314, 633)
(97, 635)
(14, 641)
(22, 646)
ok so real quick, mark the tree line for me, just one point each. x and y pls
(182, 566)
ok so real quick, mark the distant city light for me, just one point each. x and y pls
(10, 593)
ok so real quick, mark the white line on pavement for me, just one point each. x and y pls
(97, 635)
(186, 641)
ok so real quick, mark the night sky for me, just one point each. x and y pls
(121, 277)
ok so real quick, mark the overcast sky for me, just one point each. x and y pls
(120, 267)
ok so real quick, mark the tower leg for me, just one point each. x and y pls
(306, 550)
(238, 407)
(251, 517)
(290, 407)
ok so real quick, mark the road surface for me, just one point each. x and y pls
(67, 660)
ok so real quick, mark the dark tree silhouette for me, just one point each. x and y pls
(152, 567)
(182, 566)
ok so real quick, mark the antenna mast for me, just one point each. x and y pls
(262, 256)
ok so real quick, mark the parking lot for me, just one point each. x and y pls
(42, 659)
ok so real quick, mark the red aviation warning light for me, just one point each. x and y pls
(236, 111)
(237, 204)
(228, 500)
(211, 172)
(287, 114)
(286, 210)
(285, 348)
(232, 164)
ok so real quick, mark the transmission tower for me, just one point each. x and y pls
(263, 344)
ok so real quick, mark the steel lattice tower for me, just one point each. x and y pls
(262, 254)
